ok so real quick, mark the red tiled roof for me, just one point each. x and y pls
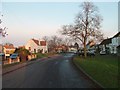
(42, 43)
(36, 41)
(9, 46)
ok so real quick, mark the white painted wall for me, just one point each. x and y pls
(115, 43)
(33, 46)
(10, 50)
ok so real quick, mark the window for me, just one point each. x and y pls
(29, 48)
(34, 50)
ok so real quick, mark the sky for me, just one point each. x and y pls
(26, 20)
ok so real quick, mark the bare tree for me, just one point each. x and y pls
(87, 25)
(53, 41)
(67, 41)
(46, 38)
(3, 32)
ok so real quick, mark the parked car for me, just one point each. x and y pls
(90, 53)
(102, 53)
(14, 56)
(80, 53)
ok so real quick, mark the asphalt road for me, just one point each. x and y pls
(56, 72)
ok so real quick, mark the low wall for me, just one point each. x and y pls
(10, 61)
(31, 56)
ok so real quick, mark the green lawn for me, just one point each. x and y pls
(40, 55)
(103, 69)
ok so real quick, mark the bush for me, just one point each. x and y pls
(23, 53)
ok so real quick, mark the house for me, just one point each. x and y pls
(111, 45)
(8, 49)
(118, 50)
(115, 43)
(91, 45)
(1, 48)
(37, 46)
(61, 48)
(105, 45)
(1, 52)
(72, 48)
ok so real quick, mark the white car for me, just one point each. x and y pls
(102, 53)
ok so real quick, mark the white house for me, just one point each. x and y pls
(110, 45)
(115, 43)
(105, 45)
(37, 46)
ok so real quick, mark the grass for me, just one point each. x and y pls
(103, 69)
(40, 55)
(9, 65)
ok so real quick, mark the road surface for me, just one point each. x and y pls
(56, 72)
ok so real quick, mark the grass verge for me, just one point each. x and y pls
(9, 65)
(40, 55)
(104, 69)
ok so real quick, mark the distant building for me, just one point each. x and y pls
(37, 46)
(8, 49)
(61, 48)
(72, 48)
(1, 48)
(90, 44)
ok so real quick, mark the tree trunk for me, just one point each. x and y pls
(85, 52)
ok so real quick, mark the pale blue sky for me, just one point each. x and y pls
(36, 19)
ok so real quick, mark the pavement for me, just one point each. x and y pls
(54, 72)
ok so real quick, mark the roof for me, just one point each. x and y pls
(106, 41)
(91, 43)
(117, 35)
(9, 46)
(42, 43)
